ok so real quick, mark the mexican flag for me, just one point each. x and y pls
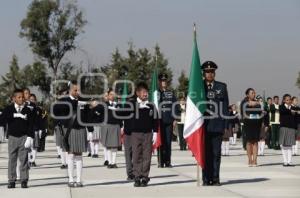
(153, 97)
(194, 121)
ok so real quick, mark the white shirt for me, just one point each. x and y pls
(19, 107)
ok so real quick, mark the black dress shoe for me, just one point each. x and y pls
(114, 166)
(145, 182)
(71, 184)
(89, 155)
(207, 183)
(11, 185)
(216, 183)
(137, 183)
(106, 163)
(169, 165)
(58, 157)
(160, 165)
(130, 178)
(24, 184)
(109, 166)
(64, 166)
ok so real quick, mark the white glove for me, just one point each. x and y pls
(40, 133)
(154, 138)
(20, 115)
(81, 103)
(90, 136)
(28, 142)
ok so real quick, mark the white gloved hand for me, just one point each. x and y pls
(90, 136)
(40, 133)
(28, 142)
(81, 103)
(20, 115)
(154, 138)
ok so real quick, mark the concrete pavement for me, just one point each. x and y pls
(269, 179)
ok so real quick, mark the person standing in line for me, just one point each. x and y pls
(251, 111)
(74, 109)
(180, 124)
(264, 128)
(111, 130)
(296, 108)
(275, 123)
(19, 119)
(167, 122)
(287, 130)
(214, 122)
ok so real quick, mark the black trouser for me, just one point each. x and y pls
(42, 142)
(166, 147)
(182, 143)
(211, 171)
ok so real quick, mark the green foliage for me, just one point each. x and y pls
(137, 66)
(11, 81)
(51, 28)
(183, 85)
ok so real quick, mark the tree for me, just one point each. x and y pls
(298, 81)
(13, 79)
(139, 64)
(162, 63)
(51, 27)
(36, 75)
(183, 85)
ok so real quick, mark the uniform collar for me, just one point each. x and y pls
(18, 106)
(211, 83)
(287, 106)
(72, 98)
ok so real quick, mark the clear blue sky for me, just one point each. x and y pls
(256, 43)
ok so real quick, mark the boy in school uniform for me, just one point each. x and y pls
(19, 120)
(143, 127)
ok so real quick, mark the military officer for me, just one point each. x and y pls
(215, 123)
(167, 121)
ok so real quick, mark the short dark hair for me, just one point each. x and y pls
(26, 89)
(33, 95)
(294, 97)
(285, 96)
(17, 91)
(248, 90)
(109, 90)
(275, 97)
(142, 85)
(269, 98)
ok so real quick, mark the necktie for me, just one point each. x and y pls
(209, 86)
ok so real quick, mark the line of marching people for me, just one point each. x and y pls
(84, 123)
(264, 123)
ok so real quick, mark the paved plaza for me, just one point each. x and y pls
(47, 180)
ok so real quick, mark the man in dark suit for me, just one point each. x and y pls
(215, 123)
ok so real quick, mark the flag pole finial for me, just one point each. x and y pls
(194, 30)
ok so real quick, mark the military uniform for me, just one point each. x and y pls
(217, 94)
(167, 98)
